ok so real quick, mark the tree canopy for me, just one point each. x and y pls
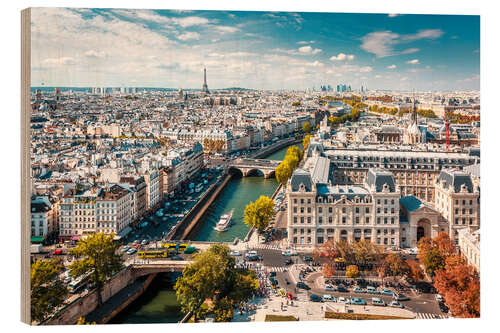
(306, 127)
(258, 214)
(47, 290)
(212, 276)
(98, 256)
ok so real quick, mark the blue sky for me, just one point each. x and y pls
(260, 50)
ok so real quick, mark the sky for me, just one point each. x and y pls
(256, 50)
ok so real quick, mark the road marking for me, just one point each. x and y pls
(425, 315)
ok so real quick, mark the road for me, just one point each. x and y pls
(422, 303)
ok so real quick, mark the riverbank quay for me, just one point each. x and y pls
(189, 221)
(119, 302)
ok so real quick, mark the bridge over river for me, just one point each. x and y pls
(251, 166)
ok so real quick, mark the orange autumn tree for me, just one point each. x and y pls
(415, 272)
(328, 270)
(459, 284)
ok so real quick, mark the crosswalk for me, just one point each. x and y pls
(425, 315)
(266, 247)
(276, 269)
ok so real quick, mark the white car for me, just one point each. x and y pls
(329, 298)
(329, 288)
(396, 304)
(251, 253)
(439, 298)
(342, 299)
(288, 253)
(235, 253)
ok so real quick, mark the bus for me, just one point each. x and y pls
(148, 254)
(77, 285)
(173, 246)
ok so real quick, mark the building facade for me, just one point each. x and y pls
(469, 246)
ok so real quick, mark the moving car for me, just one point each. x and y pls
(396, 304)
(302, 285)
(288, 253)
(315, 298)
(443, 307)
(329, 298)
(288, 262)
(378, 301)
(358, 301)
(401, 297)
(439, 298)
(307, 258)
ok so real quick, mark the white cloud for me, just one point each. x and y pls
(308, 50)
(393, 15)
(342, 56)
(189, 35)
(413, 62)
(95, 54)
(189, 21)
(315, 64)
(381, 43)
(404, 78)
(470, 78)
(410, 50)
(391, 66)
(302, 42)
(225, 29)
(365, 69)
(146, 15)
(59, 61)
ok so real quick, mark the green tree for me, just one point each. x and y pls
(258, 214)
(283, 172)
(352, 271)
(47, 290)
(212, 276)
(98, 256)
(305, 141)
(223, 310)
(433, 261)
(396, 266)
(306, 127)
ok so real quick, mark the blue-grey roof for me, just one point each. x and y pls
(410, 203)
(322, 171)
(456, 178)
(379, 177)
(336, 192)
(314, 146)
(300, 176)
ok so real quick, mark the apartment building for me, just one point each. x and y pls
(457, 199)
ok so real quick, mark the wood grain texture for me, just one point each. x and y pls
(25, 163)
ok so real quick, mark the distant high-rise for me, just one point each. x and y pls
(57, 93)
(205, 86)
(38, 95)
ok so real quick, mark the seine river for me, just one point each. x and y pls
(159, 303)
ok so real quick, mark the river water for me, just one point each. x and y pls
(234, 197)
(159, 303)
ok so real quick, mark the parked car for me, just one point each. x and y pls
(125, 248)
(273, 274)
(401, 297)
(358, 301)
(359, 290)
(330, 288)
(235, 253)
(342, 299)
(315, 298)
(329, 298)
(396, 304)
(131, 251)
(378, 301)
(307, 258)
(443, 307)
(57, 252)
(371, 290)
(387, 292)
(342, 289)
(251, 253)
(302, 285)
